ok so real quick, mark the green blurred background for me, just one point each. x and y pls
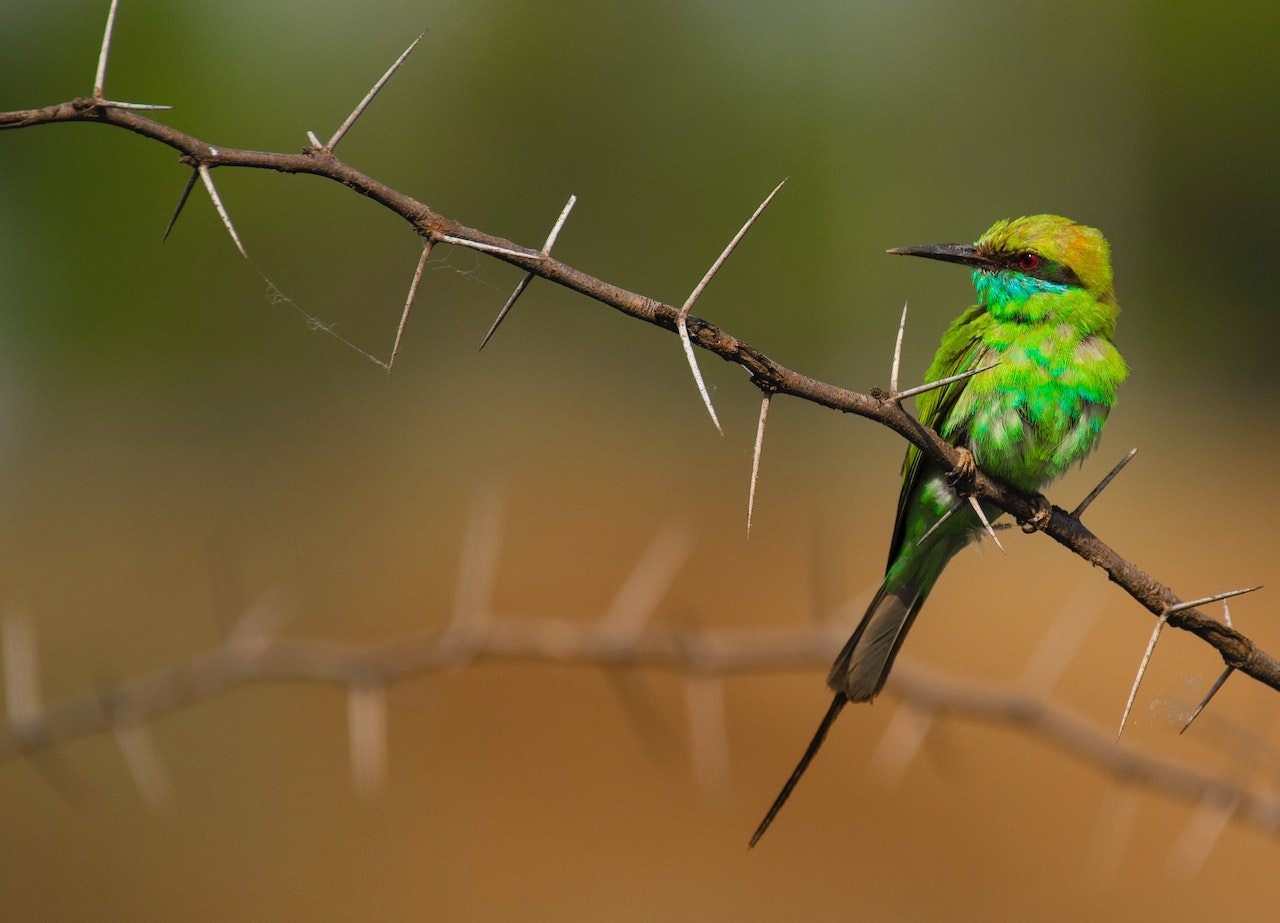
(174, 446)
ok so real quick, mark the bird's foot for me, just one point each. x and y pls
(1037, 521)
(962, 475)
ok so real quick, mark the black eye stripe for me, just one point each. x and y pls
(1057, 273)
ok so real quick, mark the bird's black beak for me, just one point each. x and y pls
(966, 254)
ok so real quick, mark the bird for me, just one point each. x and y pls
(1041, 332)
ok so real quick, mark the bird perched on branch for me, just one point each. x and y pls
(1042, 331)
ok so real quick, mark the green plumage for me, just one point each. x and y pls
(1046, 314)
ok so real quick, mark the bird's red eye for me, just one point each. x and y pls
(1028, 261)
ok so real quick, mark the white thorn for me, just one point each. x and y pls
(941, 519)
(1102, 485)
(1213, 690)
(555, 230)
(408, 302)
(682, 319)
(506, 308)
(755, 459)
(1142, 669)
(1196, 603)
(897, 354)
(100, 77)
(682, 325)
(487, 248)
(146, 107)
(528, 276)
(977, 508)
(943, 382)
(364, 103)
(217, 203)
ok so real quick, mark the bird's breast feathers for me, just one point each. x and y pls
(1042, 408)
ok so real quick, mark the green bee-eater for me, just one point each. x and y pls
(1045, 317)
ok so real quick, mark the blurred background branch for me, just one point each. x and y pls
(366, 671)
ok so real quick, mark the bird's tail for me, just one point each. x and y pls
(863, 665)
(809, 753)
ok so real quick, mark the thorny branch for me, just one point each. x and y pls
(1238, 652)
(1236, 649)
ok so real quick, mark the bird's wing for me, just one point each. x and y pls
(962, 349)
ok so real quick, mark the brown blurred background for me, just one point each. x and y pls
(175, 447)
